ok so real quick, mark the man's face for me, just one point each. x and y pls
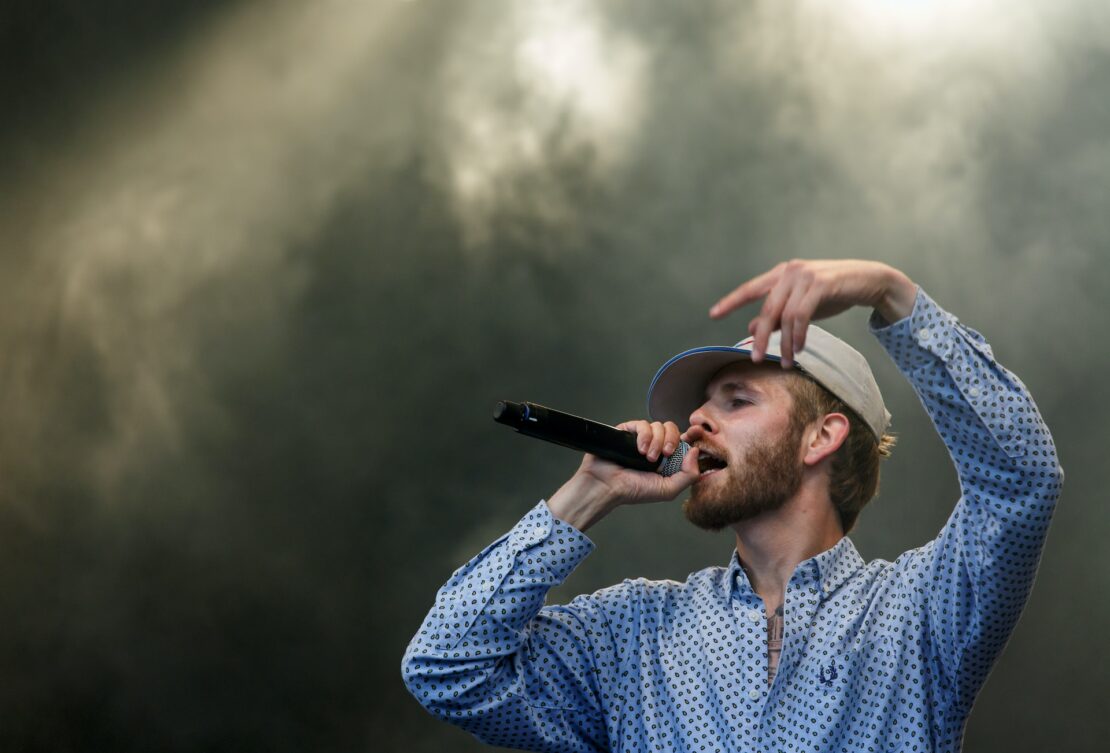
(745, 423)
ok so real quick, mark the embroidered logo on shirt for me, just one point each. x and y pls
(827, 679)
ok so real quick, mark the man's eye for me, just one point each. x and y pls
(737, 402)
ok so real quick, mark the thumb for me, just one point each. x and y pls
(674, 484)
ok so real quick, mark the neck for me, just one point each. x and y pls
(772, 545)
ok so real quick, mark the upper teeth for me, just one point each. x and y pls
(710, 462)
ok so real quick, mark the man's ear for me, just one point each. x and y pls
(825, 437)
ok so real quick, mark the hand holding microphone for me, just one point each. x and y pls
(618, 444)
(616, 470)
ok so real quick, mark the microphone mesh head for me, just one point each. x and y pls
(672, 464)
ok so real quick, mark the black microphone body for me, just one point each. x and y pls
(604, 441)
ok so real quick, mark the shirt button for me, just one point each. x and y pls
(754, 694)
(973, 392)
(540, 531)
(754, 615)
(924, 333)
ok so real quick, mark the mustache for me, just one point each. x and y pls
(711, 449)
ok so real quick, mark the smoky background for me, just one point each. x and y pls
(268, 266)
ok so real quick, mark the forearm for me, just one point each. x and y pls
(482, 611)
(982, 411)
(581, 502)
(975, 577)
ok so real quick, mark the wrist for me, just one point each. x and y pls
(897, 299)
(582, 501)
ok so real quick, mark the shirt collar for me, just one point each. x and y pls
(827, 570)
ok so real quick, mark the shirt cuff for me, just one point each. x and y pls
(927, 334)
(553, 542)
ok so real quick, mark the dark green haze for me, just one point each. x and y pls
(267, 267)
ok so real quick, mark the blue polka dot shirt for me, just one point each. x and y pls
(876, 656)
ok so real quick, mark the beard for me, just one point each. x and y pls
(761, 482)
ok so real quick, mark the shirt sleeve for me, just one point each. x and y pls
(975, 577)
(492, 659)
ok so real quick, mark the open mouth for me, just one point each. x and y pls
(709, 462)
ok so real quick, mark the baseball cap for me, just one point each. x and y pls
(678, 388)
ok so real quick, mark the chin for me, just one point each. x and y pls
(710, 513)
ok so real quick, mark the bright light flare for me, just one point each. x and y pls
(906, 19)
(536, 80)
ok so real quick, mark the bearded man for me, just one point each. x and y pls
(797, 644)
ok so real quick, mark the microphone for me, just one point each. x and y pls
(604, 441)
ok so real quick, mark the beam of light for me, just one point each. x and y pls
(204, 171)
(924, 21)
(527, 86)
(895, 97)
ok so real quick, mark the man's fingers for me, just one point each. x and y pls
(671, 437)
(653, 439)
(690, 462)
(642, 430)
(757, 287)
(804, 315)
(655, 446)
(768, 320)
(675, 484)
(791, 324)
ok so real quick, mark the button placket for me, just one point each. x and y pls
(752, 627)
(801, 612)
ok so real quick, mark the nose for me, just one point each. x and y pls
(701, 422)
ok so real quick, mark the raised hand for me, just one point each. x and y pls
(799, 291)
(654, 440)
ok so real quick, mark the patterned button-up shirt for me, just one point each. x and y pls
(883, 656)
